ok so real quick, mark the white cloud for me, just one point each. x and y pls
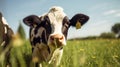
(117, 15)
(97, 6)
(110, 12)
(113, 12)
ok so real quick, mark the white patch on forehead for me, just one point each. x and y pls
(56, 16)
(56, 8)
(4, 21)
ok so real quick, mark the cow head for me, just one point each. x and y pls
(52, 28)
(49, 31)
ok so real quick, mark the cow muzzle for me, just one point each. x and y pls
(57, 40)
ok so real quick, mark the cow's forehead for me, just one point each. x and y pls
(56, 15)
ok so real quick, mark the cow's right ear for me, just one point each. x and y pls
(31, 20)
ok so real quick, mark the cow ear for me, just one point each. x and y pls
(31, 20)
(78, 20)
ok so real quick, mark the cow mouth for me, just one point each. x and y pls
(56, 43)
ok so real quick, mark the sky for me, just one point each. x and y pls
(103, 13)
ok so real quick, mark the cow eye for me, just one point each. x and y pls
(66, 22)
(65, 26)
(47, 21)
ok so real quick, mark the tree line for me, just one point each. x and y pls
(114, 33)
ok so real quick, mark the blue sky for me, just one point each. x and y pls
(103, 13)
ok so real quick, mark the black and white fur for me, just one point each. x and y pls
(48, 34)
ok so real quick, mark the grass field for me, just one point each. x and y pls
(92, 53)
(77, 53)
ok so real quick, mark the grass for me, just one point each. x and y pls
(92, 53)
(77, 53)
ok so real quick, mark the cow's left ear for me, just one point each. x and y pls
(78, 20)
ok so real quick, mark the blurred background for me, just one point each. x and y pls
(103, 13)
(96, 44)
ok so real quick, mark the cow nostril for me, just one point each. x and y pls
(56, 37)
(52, 38)
(61, 38)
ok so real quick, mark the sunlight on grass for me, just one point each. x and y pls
(77, 53)
(92, 53)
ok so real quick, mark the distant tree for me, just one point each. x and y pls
(21, 31)
(116, 29)
(107, 35)
(91, 37)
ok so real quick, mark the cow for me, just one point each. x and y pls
(6, 32)
(48, 34)
(5, 38)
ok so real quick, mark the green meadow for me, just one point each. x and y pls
(92, 53)
(77, 53)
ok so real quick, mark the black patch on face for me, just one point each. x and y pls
(36, 40)
(36, 31)
(45, 28)
(44, 37)
(65, 26)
